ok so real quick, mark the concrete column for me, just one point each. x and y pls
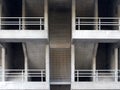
(0, 13)
(3, 64)
(72, 63)
(25, 62)
(47, 65)
(119, 16)
(96, 15)
(46, 15)
(23, 15)
(116, 64)
(73, 15)
(94, 62)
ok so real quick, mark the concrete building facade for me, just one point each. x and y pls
(59, 44)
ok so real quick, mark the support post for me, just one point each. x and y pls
(23, 15)
(72, 63)
(96, 15)
(119, 23)
(73, 16)
(25, 61)
(94, 63)
(46, 16)
(94, 69)
(116, 64)
(47, 64)
(3, 64)
(0, 14)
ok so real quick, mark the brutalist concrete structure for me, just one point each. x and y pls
(59, 44)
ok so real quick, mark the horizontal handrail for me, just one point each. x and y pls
(99, 17)
(99, 23)
(20, 17)
(84, 73)
(21, 23)
(20, 73)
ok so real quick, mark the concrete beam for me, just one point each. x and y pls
(96, 36)
(95, 85)
(24, 85)
(19, 35)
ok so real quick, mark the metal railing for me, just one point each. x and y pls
(98, 75)
(20, 75)
(22, 23)
(100, 23)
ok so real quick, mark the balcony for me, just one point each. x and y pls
(95, 66)
(101, 29)
(96, 76)
(103, 79)
(30, 71)
(15, 29)
(22, 79)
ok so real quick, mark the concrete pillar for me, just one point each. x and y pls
(96, 15)
(119, 16)
(116, 64)
(46, 15)
(0, 13)
(47, 64)
(73, 15)
(3, 64)
(25, 62)
(94, 62)
(96, 45)
(72, 63)
(23, 15)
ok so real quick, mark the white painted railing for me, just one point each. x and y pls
(102, 23)
(21, 23)
(98, 75)
(19, 74)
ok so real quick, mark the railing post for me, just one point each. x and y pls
(96, 76)
(119, 23)
(19, 23)
(22, 76)
(40, 23)
(0, 23)
(23, 23)
(99, 24)
(79, 20)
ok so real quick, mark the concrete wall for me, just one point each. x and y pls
(60, 23)
(36, 55)
(85, 8)
(60, 40)
(111, 56)
(84, 55)
(60, 68)
(34, 8)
